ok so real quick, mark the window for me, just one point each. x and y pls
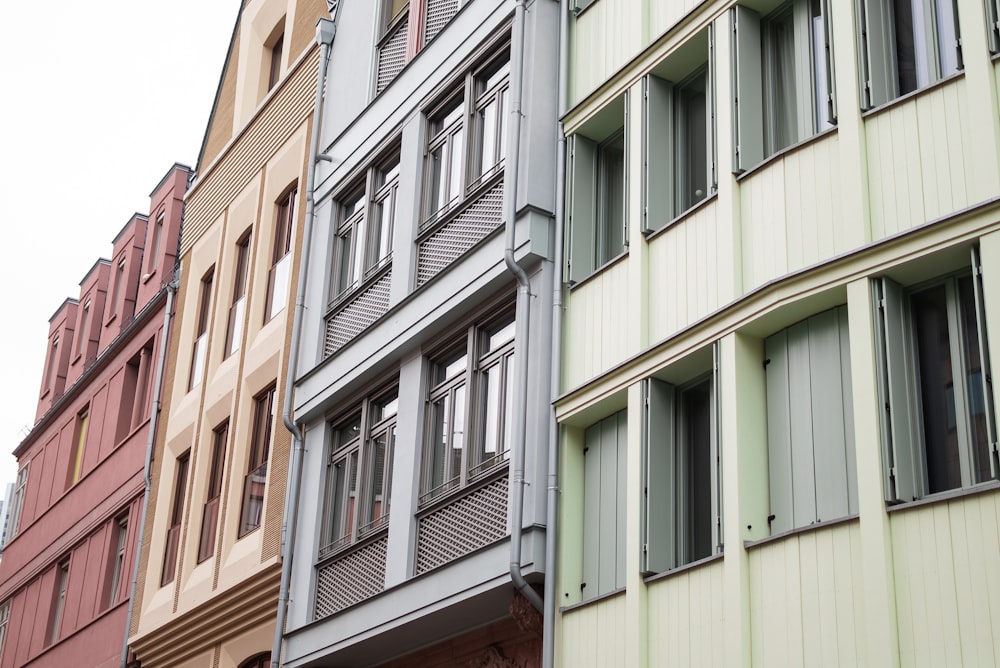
(58, 601)
(367, 215)
(135, 397)
(200, 352)
(782, 76)
(993, 25)
(281, 258)
(906, 45)
(604, 457)
(469, 408)
(679, 132)
(119, 280)
(154, 247)
(258, 661)
(682, 471)
(4, 617)
(117, 563)
(358, 505)
(17, 502)
(234, 326)
(50, 374)
(467, 140)
(176, 514)
(210, 513)
(597, 222)
(274, 65)
(939, 432)
(256, 478)
(397, 44)
(812, 470)
(82, 334)
(79, 441)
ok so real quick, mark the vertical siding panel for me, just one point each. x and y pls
(794, 196)
(946, 613)
(876, 187)
(956, 126)
(811, 618)
(970, 609)
(931, 149)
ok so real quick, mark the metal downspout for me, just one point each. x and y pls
(523, 307)
(325, 32)
(154, 420)
(552, 498)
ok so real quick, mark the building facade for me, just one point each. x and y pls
(74, 516)
(423, 377)
(778, 433)
(209, 571)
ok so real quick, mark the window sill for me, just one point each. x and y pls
(791, 148)
(940, 83)
(704, 561)
(600, 270)
(654, 232)
(749, 544)
(591, 601)
(950, 495)
(114, 316)
(146, 278)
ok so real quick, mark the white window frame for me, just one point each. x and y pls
(937, 50)
(903, 438)
(4, 618)
(17, 502)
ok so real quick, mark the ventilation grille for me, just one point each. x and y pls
(469, 523)
(356, 315)
(439, 12)
(392, 56)
(451, 241)
(351, 579)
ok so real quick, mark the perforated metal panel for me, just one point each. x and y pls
(439, 12)
(351, 579)
(451, 241)
(469, 523)
(392, 56)
(356, 315)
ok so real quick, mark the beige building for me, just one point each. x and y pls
(210, 565)
(778, 434)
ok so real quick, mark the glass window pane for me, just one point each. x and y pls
(783, 124)
(974, 381)
(455, 167)
(344, 256)
(696, 448)
(487, 136)
(937, 396)
(611, 237)
(457, 430)
(692, 141)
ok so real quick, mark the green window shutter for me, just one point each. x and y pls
(604, 506)
(779, 431)
(831, 80)
(591, 511)
(659, 179)
(659, 441)
(900, 419)
(582, 208)
(748, 123)
(984, 353)
(878, 82)
(621, 488)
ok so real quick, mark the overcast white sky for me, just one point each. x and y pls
(102, 98)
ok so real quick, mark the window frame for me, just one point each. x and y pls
(279, 274)
(237, 309)
(454, 119)
(349, 508)
(116, 563)
(58, 605)
(199, 351)
(668, 510)
(252, 505)
(878, 61)
(213, 493)
(75, 470)
(172, 543)
(473, 358)
(4, 618)
(17, 503)
(905, 448)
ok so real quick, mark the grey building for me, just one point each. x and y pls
(423, 378)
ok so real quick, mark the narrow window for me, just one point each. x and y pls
(935, 382)
(117, 563)
(393, 44)
(176, 515)
(200, 352)
(154, 248)
(274, 68)
(258, 661)
(256, 477)
(610, 233)
(492, 104)
(17, 503)
(234, 326)
(82, 334)
(58, 601)
(4, 617)
(210, 512)
(79, 441)
(116, 292)
(53, 363)
(605, 445)
(281, 257)
(445, 152)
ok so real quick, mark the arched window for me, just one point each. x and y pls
(262, 660)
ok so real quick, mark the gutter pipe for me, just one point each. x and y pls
(154, 420)
(522, 312)
(326, 30)
(552, 499)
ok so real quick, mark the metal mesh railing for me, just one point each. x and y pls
(391, 55)
(356, 315)
(459, 235)
(352, 578)
(439, 12)
(469, 523)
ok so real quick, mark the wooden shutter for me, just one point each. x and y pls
(582, 205)
(878, 80)
(660, 478)
(659, 179)
(748, 122)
